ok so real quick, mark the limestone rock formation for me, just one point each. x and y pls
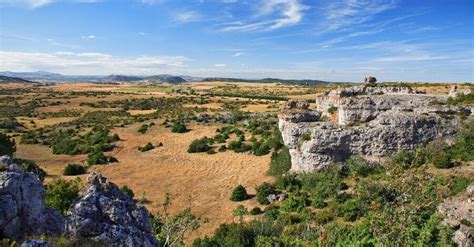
(22, 208)
(369, 121)
(370, 80)
(459, 214)
(454, 92)
(104, 214)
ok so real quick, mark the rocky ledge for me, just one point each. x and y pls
(367, 120)
(22, 208)
(104, 214)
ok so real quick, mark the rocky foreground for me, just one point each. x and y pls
(102, 213)
(364, 120)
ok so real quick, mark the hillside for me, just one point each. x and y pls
(8, 79)
(268, 80)
(165, 78)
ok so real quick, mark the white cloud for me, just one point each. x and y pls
(187, 16)
(142, 33)
(89, 63)
(33, 4)
(340, 14)
(238, 54)
(88, 37)
(272, 14)
(220, 65)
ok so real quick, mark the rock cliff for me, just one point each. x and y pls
(104, 214)
(22, 208)
(371, 121)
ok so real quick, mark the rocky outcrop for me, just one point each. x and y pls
(104, 214)
(370, 80)
(454, 92)
(458, 213)
(22, 208)
(369, 121)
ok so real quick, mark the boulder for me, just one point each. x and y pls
(22, 208)
(370, 80)
(297, 111)
(104, 214)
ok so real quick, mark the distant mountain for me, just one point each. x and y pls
(267, 80)
(8, 79)
(50, 77)
(165, 78)
(121, 78)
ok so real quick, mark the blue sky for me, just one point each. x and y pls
(394, 40)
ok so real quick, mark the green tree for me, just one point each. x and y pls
(61, 193)
(239, 194)
(7, 145)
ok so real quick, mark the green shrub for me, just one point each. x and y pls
(306, 136)
(459, 184)
(263, 190)
(362, 167)
(211, 151)
(318, 202)
(222, 148)
(74, 169)
(147, 147)
(256, 211)
(127, 191)
(322, 183)
(7, 145)
(324, 216)
(280, 162)
(351, 210)
(240, 211)
(288, 182)
(179, 127)
(143, 129)
(463, 147)
(97, 158)
(441, 160)
(199, 145)
(295, 203)
(239, 194)
(61, 193)
(332, 109)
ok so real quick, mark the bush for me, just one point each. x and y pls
(211, 151)
(362, 167)
(322, 183)
(147, 147)
(179, 127)
(97, 158)
(143, 129)
(441, 160)
(463, 147)
(318, 202)
(199, 145)
(459, 184)
(222, 148)
(332, 109)
(324, 216)
(61, 193)
(7, 145)
(263, 190)
(295, 203)
(280, 162)
(239, 194)
(256, 211)
(74, 169)
(240, 211)
(127, 191)
(351, 210)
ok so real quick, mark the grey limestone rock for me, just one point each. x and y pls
(22, 208)
(104, 214)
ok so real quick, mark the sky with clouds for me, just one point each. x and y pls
(335, 40)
